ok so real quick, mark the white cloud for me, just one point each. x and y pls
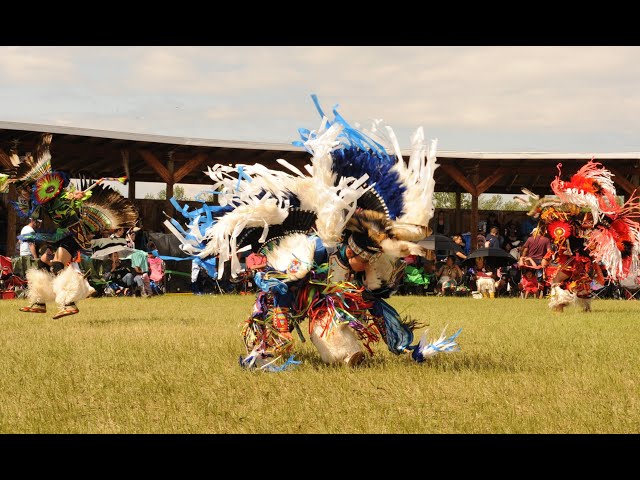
(262, 93)
(29, 65)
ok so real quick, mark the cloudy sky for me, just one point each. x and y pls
(499, 98)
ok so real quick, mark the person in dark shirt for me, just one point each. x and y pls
(458, 250)
(493, 239)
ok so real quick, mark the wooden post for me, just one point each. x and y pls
(474, 222)
(168, 208)
(12, 222)
(458, 213)
(475, 177)
(131, 183)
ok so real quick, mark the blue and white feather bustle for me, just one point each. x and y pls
(257, 360)
(426, 349)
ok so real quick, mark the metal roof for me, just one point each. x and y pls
(99, 153)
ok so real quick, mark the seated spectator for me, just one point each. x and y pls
(256, 262)
(115, 273)
(480, 240)
(529, 284)
(430, 275)
(483, 277)
(156, 269)
(138, 280)
(414, 277)
(449, 276)
(459, 248)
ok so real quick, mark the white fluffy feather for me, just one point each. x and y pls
(560, 297)
(70, 286)
(295, 249)
(418, 178)
(39, 288)
(384, 271)
(401, 248)
(443, 344)
(222, 235)
(333, 204)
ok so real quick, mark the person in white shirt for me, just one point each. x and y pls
(29, 248)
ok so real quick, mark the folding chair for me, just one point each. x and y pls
(630, 287)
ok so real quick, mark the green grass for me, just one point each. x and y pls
(170, 365)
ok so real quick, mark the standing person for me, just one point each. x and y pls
(587, 227)
(78, 215)
(442, 226)
(493, 239)
(535, 248)
(28, 247)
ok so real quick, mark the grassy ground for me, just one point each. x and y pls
(170, 365)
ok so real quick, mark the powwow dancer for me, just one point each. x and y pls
(333, 239)
(77, 214)
(587, 227)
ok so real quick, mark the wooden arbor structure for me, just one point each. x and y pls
(171, 160)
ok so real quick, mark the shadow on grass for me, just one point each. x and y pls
(475, 362)
(451, 362)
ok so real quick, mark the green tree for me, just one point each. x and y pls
(448, 200)
(485, 202)
(178, 193)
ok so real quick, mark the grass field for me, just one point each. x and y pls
(169, 364)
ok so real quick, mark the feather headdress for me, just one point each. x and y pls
(586, 207)
(352, 185)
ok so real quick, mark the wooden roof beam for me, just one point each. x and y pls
(190, 166)
(490, 180)
(5, 160)
(621, 180)
(455, 173)
(157, 167)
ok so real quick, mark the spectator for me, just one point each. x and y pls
(516, 247)
(492, 221)
(484, 278)
(442, 225)
(511, 232)
(480, 239)
(529, 284)
(535, 247)
(493, 239)
(459, 249)
(28, 247)
(449, 275)
(156, 268)
(430, 274)
(138, 280)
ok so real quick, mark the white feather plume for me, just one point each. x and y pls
(39, 288)
(293, 255)
(222, 235)
(560, 297)
(418, 178)
(70, 286)
(444, 344)
(333, 204)
(380, 273)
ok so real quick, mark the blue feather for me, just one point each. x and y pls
(399, 336)
(353, 162)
